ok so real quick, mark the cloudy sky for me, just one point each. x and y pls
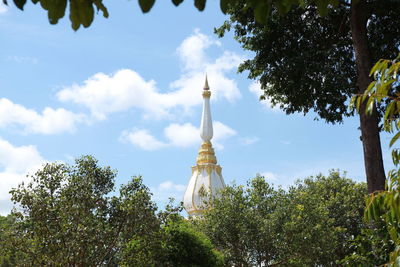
(127, 90)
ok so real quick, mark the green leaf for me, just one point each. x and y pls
(389, 110)
(57, 11)
(358, 104)
(74, 15)
(102, 7)
(20, 3)
(261, 13)
(351, 104)
(224, 5)
(177, 2)
(370, 87)
(200, 4)
(394, 139)
(86, 12)
(322, 7)
(45, 4)
(146, 5)
(370, 105)
(375, 67)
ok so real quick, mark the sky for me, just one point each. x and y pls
(127, 90)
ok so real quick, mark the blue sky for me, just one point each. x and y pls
(127, 90)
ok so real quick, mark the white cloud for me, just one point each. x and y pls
(255, 88)
(186, 135)
(221, 132)
(269, 176)
(104, 94)
(177, 135)
(182, 135)
(167, 190)
(15, 162)
(22, 59)
(142, 139)
(249, 140)
(3, 8)
(192, 50)
(285, 142)
(50, 121)
(168, 185)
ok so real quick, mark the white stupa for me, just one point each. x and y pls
(206, 178)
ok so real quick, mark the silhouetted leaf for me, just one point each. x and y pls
(20, 3)
(146, 5)
(200, 4)
(177, 2)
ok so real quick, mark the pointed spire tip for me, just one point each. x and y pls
(206, 87)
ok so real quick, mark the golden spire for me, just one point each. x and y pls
(206, 152)
(206, 87)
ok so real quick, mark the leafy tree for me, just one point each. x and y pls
(68, 216)
(371, 248)
(177, 244)
(324, 215)
(185, 246)
(7, 252)
(308, 62)
(242, 223)
(310, 225)
(384, 207)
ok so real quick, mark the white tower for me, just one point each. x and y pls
(206, 178)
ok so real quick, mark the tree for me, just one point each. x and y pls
(383, 207)
(305, 61)
(177, 243)
(68, 216)
(324, 215)
(310, 225)
(7, 252)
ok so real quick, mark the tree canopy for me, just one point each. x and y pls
(67, 216)
(305, 61)
(311, 224)
(308, 62)
(70, 215)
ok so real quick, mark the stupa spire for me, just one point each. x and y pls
(206, 127)
(206, 180)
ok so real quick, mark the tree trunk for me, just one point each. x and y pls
(373, 161)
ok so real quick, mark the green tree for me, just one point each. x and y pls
(242, 223)
(177, 244)
(324, 215)
(68, 216)
(383, 207)
(308, 62)
(312, 224)
(7, 252)
(371, 248)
